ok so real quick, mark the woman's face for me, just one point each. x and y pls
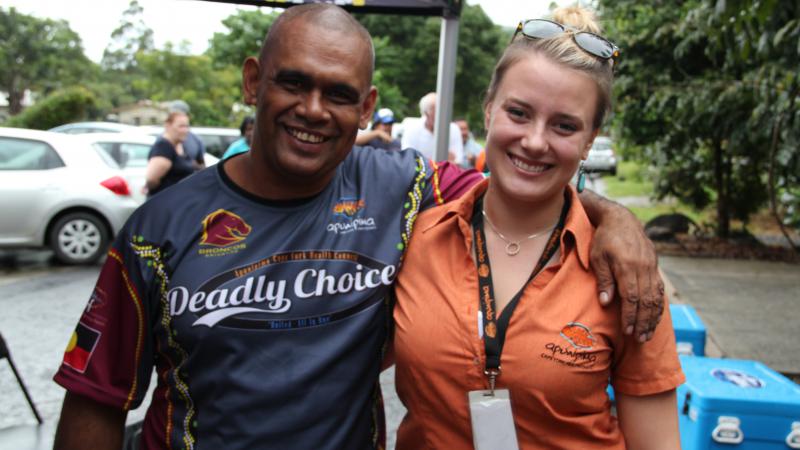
(539, 128)
(178, 129)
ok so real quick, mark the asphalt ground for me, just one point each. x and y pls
(751, 309)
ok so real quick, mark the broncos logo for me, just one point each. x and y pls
(578, 335)
(223, 228)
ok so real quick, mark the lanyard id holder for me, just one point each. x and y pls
(490, 410)
(492, 420)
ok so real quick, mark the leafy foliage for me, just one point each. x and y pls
(72, 104)
(129, 38)
(702, 86)
(38, 55)
(407, 52)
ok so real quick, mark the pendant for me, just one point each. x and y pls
(512, 248)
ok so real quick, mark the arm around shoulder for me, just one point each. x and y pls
(624, 260)
(86, 423)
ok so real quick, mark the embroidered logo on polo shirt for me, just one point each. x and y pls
(578, 335)
(223, 233)
(579, 351)
(347, 217)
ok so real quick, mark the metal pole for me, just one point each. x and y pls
(445, 86)
(4, 353)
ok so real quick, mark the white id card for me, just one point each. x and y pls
(492, 420)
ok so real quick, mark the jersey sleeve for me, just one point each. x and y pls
(649, 368)
(162, 148)
(108, 357)
(449, 182)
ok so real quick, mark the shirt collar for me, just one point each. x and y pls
(577, 235)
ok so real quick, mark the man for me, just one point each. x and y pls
(262, 304)
(419, 135)
(471, 148)
(380, 136)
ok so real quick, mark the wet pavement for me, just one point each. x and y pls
(751, 309)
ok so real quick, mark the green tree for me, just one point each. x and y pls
(211, 93)
(407, 52)
(708, 89)
(246, 32)
(40, 55)
(72, 104)
(129, 38)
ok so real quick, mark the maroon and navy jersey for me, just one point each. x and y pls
(265, 321)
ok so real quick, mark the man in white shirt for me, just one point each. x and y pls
(419, 135)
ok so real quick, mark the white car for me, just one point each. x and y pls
(93, 127)
(130, 150)
(57, 191)
(215, 139)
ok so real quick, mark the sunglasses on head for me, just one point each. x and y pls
(591, 43)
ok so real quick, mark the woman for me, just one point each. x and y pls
(512, 277)
(167, 162)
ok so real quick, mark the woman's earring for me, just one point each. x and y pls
(581, 184)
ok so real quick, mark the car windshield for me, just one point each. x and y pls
(601, 145)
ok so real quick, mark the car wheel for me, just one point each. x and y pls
(79, 238)
(613, 171)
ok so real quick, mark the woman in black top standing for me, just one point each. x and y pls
(167, 162)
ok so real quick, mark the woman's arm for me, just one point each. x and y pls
(624, 260)
(649, 422)
(157, 167)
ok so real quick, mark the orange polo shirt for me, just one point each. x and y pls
(561, 347)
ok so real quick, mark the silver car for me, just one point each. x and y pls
(130, 151)
(56, 191)
(601, 156)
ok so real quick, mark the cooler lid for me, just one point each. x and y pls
(685, 318)
(733, 386)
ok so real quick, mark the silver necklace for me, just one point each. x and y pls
(513, 247)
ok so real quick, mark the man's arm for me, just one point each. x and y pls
(624, 260)
(87, 424)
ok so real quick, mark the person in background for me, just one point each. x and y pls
(192, 145)
(380, 135)
(513, 253)
(168, 162)
(471, 148)
(242, 144)
(419, 135)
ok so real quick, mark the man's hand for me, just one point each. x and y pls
(624, 260)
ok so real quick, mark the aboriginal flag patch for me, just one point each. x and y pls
(80, 348)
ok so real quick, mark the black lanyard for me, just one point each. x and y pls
(494, 328)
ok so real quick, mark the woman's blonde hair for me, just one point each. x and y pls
(563, 50)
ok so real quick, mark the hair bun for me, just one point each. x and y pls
(575, 16)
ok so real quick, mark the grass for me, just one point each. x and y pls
(632, 181)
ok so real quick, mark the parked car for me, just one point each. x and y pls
(215, 139)
(93, 127)
(57, 191)
(601, 156)
(130, 151)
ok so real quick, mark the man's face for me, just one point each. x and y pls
(464, 127)
(386, 127)
(312, 91)
(430, 115)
